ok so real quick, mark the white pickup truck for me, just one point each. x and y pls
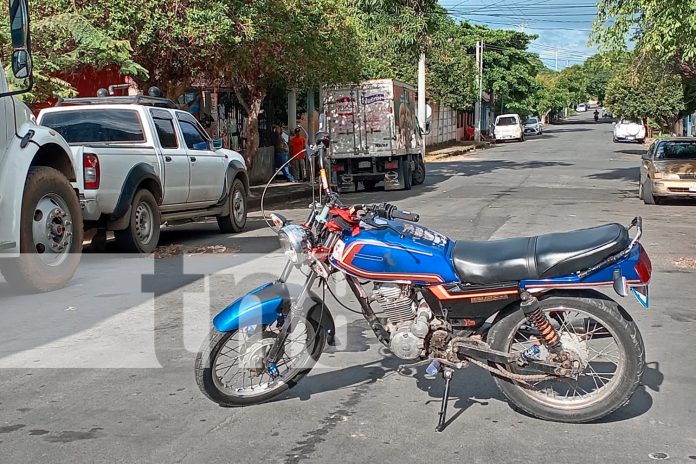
(145, 163)
(40, 218)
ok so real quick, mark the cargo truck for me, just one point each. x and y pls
(40, 214)
(375, 136)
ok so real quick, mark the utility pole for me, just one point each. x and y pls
(421, 98)
(479, 82)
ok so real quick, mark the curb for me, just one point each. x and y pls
(254, 201)
(460, 151)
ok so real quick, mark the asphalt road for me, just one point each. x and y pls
(103, 372)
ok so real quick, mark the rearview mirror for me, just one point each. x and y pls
(21, 64)
(217, 143)
(19, 24)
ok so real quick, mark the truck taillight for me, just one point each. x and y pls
(92, 173)
(391, 165)
(644, 267)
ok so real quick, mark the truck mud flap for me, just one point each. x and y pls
(392, 181)
(346, 183)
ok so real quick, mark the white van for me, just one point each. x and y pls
(508, 127)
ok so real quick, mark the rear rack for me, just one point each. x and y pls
(638, 224)
(119, 100)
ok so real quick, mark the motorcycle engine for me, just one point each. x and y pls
(407, 322)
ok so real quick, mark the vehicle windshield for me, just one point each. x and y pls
(677, 151)
(532, 121)
(94, 126)
(506, 121)
(631, 121)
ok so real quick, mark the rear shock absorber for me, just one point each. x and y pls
(531, 309)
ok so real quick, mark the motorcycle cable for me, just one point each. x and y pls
(325, 285)
(263, 194)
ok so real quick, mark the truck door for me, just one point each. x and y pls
(176, 172)
(207, 166)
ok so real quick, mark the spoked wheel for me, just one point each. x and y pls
(605, 346)
(233, 369)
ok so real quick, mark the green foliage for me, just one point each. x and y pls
(65, 42)
(665, 28)
(646, 89)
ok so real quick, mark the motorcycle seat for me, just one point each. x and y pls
(540, 257)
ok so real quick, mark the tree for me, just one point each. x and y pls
(65, 42)
(646, 89)
(663, 28)
(292, 43)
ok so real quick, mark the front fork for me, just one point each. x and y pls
(297, 305)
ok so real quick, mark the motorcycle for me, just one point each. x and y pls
(527, 309)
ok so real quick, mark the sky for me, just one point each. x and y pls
(563, 26)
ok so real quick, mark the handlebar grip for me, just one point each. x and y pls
(405, 215)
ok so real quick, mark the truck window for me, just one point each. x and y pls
(94, 126)
(193, 137)
(165, 133)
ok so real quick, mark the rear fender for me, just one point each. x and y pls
(265, 304)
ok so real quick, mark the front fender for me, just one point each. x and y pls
(15, 162)
(265, 304)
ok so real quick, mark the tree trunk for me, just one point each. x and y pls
(252, 132)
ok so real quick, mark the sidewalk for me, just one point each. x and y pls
(455, 149)
(278, 193)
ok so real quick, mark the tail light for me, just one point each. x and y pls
(391, 165)
(92, 173)
(644, 267)
(338, 168)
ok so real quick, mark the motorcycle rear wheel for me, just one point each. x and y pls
(614, 367)
(250, 382)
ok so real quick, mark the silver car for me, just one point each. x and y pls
(533, 126)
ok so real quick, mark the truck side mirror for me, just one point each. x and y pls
(21, 64)
(19, 24)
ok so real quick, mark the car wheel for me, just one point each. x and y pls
(640, 190)
(237, 218)
(648, 196)
(143, 231)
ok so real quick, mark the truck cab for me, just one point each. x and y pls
(40, 216)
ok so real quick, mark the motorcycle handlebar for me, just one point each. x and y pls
(389, 211)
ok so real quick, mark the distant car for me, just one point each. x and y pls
(629, 130)
(581, 107)
(668, 170)
(508, 127)
(533, 126)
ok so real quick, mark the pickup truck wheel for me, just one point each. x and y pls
(143, 231)
(237, 218)
(50, 234)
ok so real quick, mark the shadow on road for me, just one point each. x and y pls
(630, 174)
(638, 151)
(470, 387)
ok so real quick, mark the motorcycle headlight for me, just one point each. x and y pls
(294, 241)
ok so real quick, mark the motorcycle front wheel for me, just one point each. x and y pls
(231, 369)
(599, 333)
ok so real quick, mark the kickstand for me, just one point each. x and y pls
(447, 375)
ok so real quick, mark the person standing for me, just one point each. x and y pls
(297, 145)
(282, 153)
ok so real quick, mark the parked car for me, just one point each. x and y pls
(582, 107)
(668, 170)
(144, 163)
(508, 127)
(533, 126)
(629, 130)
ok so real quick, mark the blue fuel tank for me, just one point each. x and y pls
(419, 255)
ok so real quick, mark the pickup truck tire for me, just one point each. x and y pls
(143, 231)
(237, 218)
(50, 234)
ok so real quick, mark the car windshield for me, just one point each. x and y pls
(506, 121)
(532, 121)
(631, 121)
(677, 151)
(94, 126)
